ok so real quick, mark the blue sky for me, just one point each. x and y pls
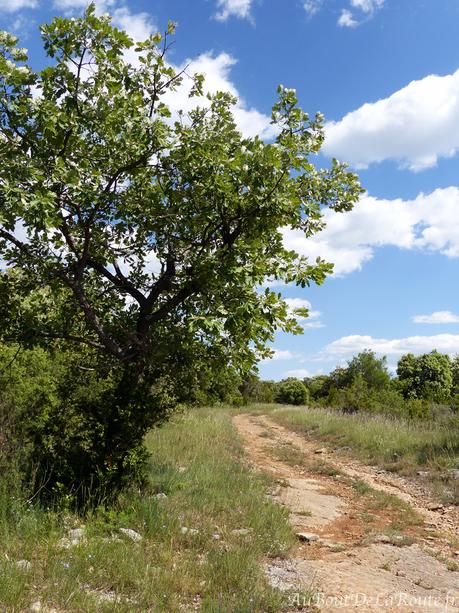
(383, 72)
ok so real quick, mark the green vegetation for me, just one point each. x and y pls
(292, 391)
(144, 238)
(196, 463)
(397, 444)
(377, 438)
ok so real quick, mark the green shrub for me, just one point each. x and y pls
(292, 391)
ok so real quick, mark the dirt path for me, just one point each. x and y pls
(379, 548)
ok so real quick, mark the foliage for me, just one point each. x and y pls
(143, 236)
(371, 369)
(318, 386)
(426, 376)
(196, 462)
(256, 390)
(292, 391)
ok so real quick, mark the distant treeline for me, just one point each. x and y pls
(423, 385)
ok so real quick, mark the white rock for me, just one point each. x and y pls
(307, 537)
(382, 538)
(322, 450)
(132, 534)
(186, 530)
(241, 531)
(161, 496)
(216, 537)
(24, 564)
(36, 606)
(76, 534)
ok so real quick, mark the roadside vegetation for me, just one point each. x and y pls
(407, 446)
(205, 525)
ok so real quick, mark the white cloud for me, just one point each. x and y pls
(282, 354)
(437, 317)
(415, 126)
(346, 19)
(76, 5)
(429, 222)
(217, 72)
(305, 322)
(299, 373)
(9, 6)
(312, 6)
(233, 8)
(139, 26)
(367, 6)
(350, 345)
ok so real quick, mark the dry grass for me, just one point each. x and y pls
(196, 463)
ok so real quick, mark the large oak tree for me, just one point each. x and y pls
(150, 231)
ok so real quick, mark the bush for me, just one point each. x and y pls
(255, 390)
(292, 391)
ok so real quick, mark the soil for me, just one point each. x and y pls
(373, 552)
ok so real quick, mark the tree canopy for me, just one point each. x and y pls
(150, 231)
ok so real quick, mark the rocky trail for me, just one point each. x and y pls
(368, 540)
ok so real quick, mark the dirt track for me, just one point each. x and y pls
(371, 555)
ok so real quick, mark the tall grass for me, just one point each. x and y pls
(377, 438)
(214, 566)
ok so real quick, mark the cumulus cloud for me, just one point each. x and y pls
(302, 303)
(312, 6)
(9, 6)
(429, 222)
(216, 69)
(415, 126)
(356, 13)
(282, 354)
(365, 10)
(350, 345)
(298, 373)
(346, 19)
(233, 8)
(367, 6)
(437, 317)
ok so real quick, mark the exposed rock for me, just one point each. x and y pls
(423, 473)
(161, 496)
(132, 534)
(453, 473)
(191, 531)
(283, 575)
(321, 450)
(307, 537)
(36, 606)
(241, 531)
(435, 507)
(77, 534)
(24, 564)
(382, 538)
(74, 537)
(400, 573)
(216, 537)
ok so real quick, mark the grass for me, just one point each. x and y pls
(291, 455)
(396, 444)
(215, 566)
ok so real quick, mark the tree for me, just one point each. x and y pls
(149, 230)
(318, 386)
(373, 370)
(427, 376)
(292, 391)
